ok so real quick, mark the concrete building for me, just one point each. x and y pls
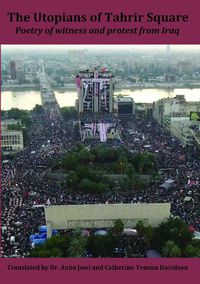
(62, 217)
(172, 107)
(181, 127)
(195, 131)
(11, 139)
(174, 114)
(144, 108)
(17, 71)
(95, 91)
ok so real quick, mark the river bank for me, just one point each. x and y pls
(20, 88)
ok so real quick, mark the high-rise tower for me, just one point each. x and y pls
(13, 70)
(95, 91)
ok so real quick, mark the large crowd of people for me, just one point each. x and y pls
(25, 186)
(104, 117)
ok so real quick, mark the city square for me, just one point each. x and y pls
(104, 149)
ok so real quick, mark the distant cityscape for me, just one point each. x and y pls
(131, 68)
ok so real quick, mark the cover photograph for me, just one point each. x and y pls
(100, 142)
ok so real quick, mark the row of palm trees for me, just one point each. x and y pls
(171, 239)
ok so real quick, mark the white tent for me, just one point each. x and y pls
(129, 232)
(167, 183)
(187, 198)
(100, 233)
(38, 206)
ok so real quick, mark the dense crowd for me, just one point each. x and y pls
(175, 162)
(25, 184)
(104, 117)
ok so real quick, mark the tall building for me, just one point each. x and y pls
(13, 70)
(95, 91)
(186, 130)
(176, 115)
(177, 106)
(96, 105)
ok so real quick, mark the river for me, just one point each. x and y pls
(28, 99)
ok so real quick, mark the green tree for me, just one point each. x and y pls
(118, 228)
(191, 251)
(100, 187)
(56, 246)
(77, 247)
(38, 109)
(15, 113)
(175, 230)
(121, 164)
(138, 183)
(43, 254)
(101, 246)
(148, 233)
(170, 249)
(86, 185)
(70, 161)
(144, 163)
(23, 115)
(69, 112)
(55, 253)
(86, 172)
(175, 252)
(26, 121)
(135, 161)
(140, 227)
(130, 171)
(72, 180)
(147, 163)
(86, 156)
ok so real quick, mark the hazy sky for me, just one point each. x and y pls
(104, 46)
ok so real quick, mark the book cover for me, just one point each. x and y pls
(100, 163)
